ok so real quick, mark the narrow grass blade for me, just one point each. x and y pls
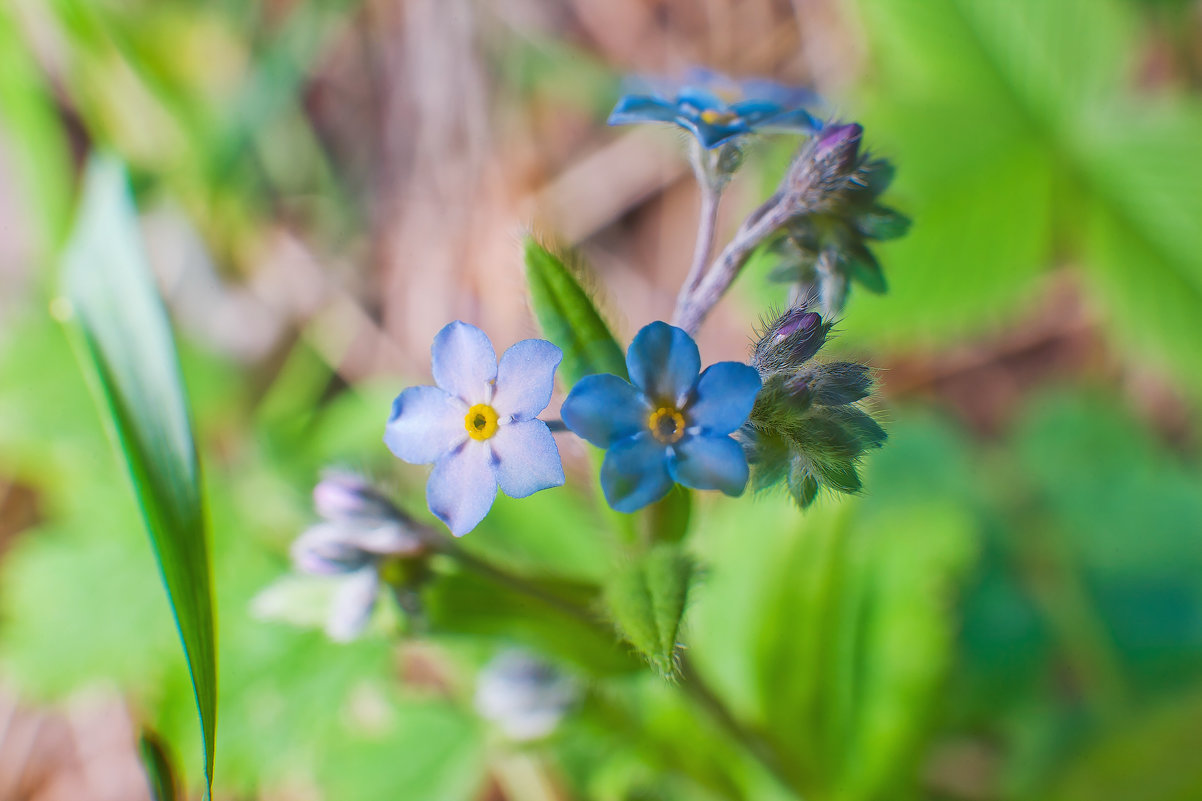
(125, 345)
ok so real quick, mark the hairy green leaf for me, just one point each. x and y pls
(646, 599)
(569, 318)
(127, 346)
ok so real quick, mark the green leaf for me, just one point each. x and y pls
(125, 344)
(159, 772)
(646, 599)
(569, 319)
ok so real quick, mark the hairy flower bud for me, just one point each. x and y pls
(837, 148)
(790, 340)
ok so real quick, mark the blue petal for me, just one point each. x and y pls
(425, 423)
(525, 379)
(350, 609)
(464, 362)
(725, 394)
(642, 108)
(462, 487)
(635, 473)
(604, 408)
(710, 463)
(526, 458)
(663, 362)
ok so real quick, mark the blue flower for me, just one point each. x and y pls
(478, 426)
(715, 108)
(672, 425)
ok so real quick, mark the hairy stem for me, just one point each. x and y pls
(762, 223)
(710, 199)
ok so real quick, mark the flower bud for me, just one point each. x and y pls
(341, 495)
(837, 148)
(790, 340)
(524, 696)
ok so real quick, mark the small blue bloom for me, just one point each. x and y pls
(715, 108)
(671, 425)
(478, 426)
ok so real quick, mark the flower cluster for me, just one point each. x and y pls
(836, 190)
(361, 535)
(807, 429)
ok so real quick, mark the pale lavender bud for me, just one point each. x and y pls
(342, 494)
(524, 696)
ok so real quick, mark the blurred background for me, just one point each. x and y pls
(1012, 609)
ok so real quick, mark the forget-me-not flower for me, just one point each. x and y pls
(478, 426)
(715, 108)
(668, 424)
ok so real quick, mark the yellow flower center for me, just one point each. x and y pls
(712, 116)
(666, 424)
(480, 421)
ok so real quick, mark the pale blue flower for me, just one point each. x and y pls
(668, 424)
(478, 426)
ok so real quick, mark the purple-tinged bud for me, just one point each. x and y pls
(342, 495)
(839, 147)
(790, 340)
(796, 320)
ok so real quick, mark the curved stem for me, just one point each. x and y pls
(706, 226)
(762, 223)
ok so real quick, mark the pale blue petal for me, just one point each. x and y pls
(351, 606)
(425, 423)
(604, 408)
(663, 362)
(462, 487)
(724, 396)
(525, 458)
(525, 379)
(710, 463)
(464, 362)
(635, 473)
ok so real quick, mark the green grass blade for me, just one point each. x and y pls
(127, 347)
(569, 319)
(159, 774)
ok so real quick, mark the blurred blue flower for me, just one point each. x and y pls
(716, 108)
(360, 531)
(671, 425)
(523, 695)
(478, 425)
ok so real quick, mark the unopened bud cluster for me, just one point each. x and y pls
(830, 195)
(806, 430)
